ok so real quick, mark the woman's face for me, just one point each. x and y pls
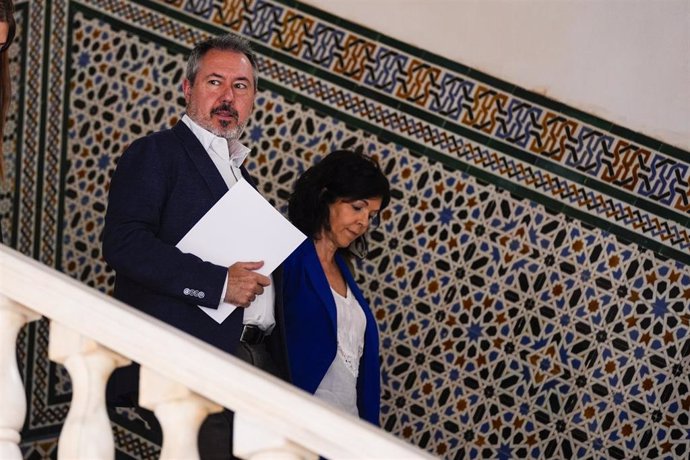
(4, 32)
(350, 219)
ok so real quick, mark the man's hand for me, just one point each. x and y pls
(244, 284)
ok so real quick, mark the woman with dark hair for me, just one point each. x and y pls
(7, 29)
(332, 338)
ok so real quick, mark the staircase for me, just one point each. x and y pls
(182, 380)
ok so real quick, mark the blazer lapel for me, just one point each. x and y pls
(201, 160)
(318, 280)
(247, 177)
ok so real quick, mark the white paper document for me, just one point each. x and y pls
(241, 227)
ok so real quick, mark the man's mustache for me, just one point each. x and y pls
(225, 108)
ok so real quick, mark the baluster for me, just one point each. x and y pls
(12, 397)
(252, 440)
(86, 432)
(179, 411)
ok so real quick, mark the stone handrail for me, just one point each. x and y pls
(183, 379)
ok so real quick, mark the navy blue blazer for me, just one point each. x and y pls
(311, 330)
(163, 184)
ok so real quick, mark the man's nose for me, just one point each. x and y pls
(229, 93)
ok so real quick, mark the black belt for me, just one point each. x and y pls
(252, 335)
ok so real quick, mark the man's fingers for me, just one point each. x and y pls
(244, 284)
(249, 265)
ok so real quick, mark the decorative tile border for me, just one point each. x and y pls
(52, 129)
(29, 184)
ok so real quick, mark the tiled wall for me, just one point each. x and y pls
(529, 279)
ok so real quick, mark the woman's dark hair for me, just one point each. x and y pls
(343, 174)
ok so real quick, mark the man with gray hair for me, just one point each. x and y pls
(164, 183)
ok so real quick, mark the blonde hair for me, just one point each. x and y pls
(6, 15)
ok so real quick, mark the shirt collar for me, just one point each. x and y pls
(236, 150)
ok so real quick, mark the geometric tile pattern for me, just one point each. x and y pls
(39, 450)
(511, 325)
(563, 190)
(653, 177)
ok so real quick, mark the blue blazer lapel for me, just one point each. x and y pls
(319, 282)
(201, 160)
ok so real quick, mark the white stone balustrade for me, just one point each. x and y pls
(12, 398)
(179, 412)
(283, 421)
(253, 441)
(86, 432)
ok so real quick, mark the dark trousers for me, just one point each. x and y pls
(215, 434)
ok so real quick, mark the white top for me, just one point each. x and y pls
(339, 386)
(228, 157)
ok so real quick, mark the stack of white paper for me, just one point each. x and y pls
(241, 227)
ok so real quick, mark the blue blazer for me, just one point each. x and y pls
(310, 328)
(164, 183)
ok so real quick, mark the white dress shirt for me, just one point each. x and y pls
(228, 157)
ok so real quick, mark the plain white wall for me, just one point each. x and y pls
(627, 61)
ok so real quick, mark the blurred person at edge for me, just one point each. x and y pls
(7, 30)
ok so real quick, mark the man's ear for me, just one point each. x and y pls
(186, 89)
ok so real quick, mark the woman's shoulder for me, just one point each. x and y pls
(300, 256)
(304, 249)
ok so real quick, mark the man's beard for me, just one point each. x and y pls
(230, 134)
(224, 131)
